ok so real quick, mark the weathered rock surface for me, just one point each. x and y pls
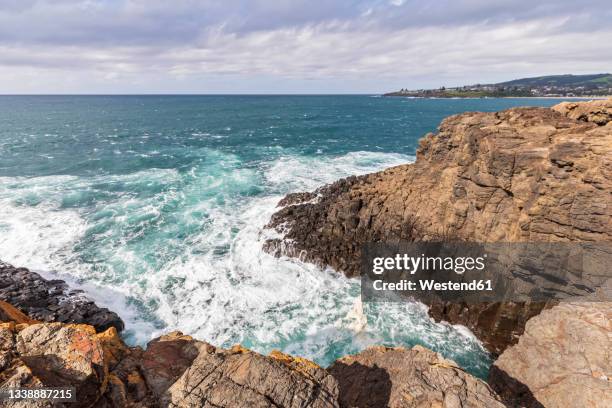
(174, 371)
(599, 112)
(52, 300)
(520, 175)
(402, 378)
(239, 377)
(53, 355)
(564, 359)
(178, 371)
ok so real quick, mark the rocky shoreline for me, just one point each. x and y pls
(519, 175)
(178, 371)
(52, 300)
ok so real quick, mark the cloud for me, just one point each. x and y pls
(292, 46)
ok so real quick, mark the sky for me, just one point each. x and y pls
(300, 46)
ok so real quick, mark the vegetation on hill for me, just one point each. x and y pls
(551, 85)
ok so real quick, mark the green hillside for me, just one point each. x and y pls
(547, 86)
(569, 80)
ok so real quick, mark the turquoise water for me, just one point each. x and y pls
(155, 206)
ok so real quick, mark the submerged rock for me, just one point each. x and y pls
(407, 378)
(52, 300)
(520, 175)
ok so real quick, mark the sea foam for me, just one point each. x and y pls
(174, 250)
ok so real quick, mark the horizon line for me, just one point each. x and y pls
(194, 94)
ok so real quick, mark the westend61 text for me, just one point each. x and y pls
(406, 285)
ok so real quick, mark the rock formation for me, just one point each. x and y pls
(52, 300)
(599, 112)
(564, 359)
(178, 371)
(402, 378)
(524, 174)
(175, 370)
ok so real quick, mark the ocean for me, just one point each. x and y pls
(155, 207)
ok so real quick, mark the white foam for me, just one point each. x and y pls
(216, 284)
(303, 173)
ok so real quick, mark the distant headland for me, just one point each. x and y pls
(595, 85)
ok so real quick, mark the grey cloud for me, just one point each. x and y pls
(148, 44)
(136, 22)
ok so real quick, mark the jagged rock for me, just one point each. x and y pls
(564, 359)
(239, 377)
(175, 370)
(599, 112)
(64, 356)
(167, 358)
(51, 300)
(53, 355)
(520, 175)
(403, 378)
(8, 313)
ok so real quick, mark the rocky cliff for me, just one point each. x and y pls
(178, 371)
(521, 174)
(401, 378)
(564, 359)
(524, 174)
(52, 300)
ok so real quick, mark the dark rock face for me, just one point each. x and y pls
(402, 378)
(520, 175)
(497, 325)
(52, 300)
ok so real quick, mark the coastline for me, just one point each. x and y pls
(579, 98)
(513, 382)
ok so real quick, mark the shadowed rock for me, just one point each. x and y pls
(52, 300)
(174, 371)
(402, 378)
(564, 359)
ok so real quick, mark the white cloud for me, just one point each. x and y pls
(354, 53)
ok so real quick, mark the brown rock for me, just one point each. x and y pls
(175, 370)
(402, 378)
(520, 175)
(564, 359)
(65, 355)
(599, 112)
(166, 359)
(113, 347)
(8, 313)
(241, 378)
